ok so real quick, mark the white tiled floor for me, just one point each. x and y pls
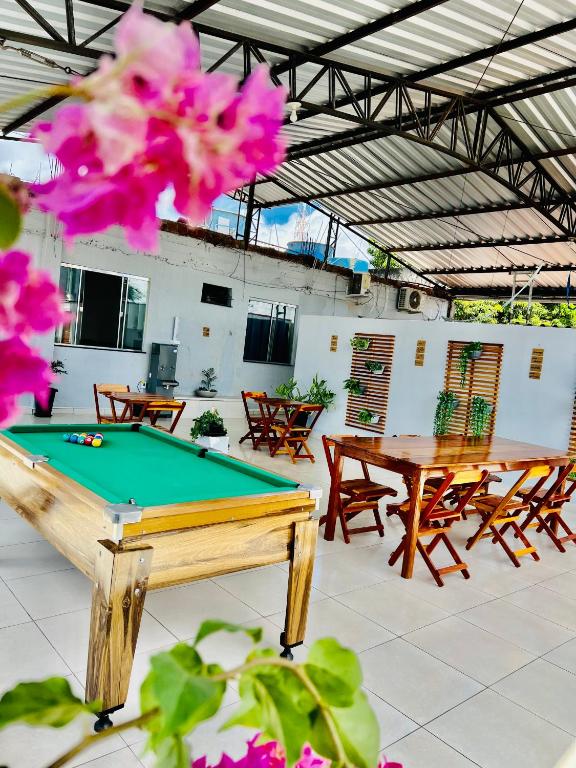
(479, 673)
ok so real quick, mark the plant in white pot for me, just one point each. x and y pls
(206, 388)
(44, 410)
(209, 432)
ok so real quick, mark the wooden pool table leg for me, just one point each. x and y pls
(299, 585)
(120, 581)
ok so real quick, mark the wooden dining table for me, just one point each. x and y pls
(420, 458)
(129, 401)
(273, 409)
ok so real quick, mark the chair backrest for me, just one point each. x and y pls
(541, 471)
(104, 389)
(328, 443)
(556, 494)
(154, 408)
(246, 396)
(473, 479)
(308, 408)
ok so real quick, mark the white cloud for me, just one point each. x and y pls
(26, 160)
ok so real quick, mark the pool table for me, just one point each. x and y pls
(148, 510)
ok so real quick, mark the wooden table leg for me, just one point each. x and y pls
(334, 498)
(413, 523)
(299, 585)
(120, 581)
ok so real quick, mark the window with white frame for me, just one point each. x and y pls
(269, 332)
(106, 309)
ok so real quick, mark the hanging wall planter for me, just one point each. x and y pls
(375, 367)
(471, 351)
(480, 415)
(368, 417)
(447, 404)
(360, 343)
(354, 387)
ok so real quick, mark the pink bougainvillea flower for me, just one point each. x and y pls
(265, 755)
(151, 120)
(22, 369)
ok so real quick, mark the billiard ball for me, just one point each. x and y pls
(66, 437)
(96, 442)
(88, 440)
(81, 439)
(99, 435)
(74, 437)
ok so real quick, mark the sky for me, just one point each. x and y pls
(277, 225)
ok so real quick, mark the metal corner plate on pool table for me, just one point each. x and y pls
(120, 514)
(315, 493)
(35, 458)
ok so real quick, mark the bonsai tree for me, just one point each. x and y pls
(480, 414)
(209, 424)
(367, 417)
(360, 343)
(206, 388)
(58, 367)
(469, 352)
(374, 366)
(319, 394)
(354, 386)
(447, 404)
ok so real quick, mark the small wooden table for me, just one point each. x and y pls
(130, 400)
(420, 458)
(270, 407)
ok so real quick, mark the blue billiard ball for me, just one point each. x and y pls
(66, 437)
(74, 438)
(99, 436)
(81, 439)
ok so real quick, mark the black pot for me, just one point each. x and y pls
(301, 420)
(45, 412)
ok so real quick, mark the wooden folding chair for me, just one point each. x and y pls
(356, 496)
(436, 520)
(505, 511)
(105, 390)
(156, 408)
(292, 438)
(546, 506)
(254, 419)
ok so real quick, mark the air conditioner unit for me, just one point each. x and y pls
(359, 284)
(409, 300)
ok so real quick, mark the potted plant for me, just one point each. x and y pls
(480, 415)
(319, 393)
(471, 351)
(289, 390)
(447, 404)
(209, 431)
(368, 417)
(374, 366)
(354, 387)
(44, 409)
(206, 388)
(360, 343)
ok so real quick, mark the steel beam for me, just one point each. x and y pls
(40, 20)
(445, 214)
(69, 4)
(47, 42)
(500, 242)
(501, 270)
(194, 9)
(539, 293)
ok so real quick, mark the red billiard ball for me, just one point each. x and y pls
(88, 440)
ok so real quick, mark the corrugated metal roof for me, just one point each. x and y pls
(427, 186)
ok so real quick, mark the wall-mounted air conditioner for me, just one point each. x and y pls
(409, 299)
(359, 284)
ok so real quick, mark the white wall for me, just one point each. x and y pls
(534, 410)
(176, 277)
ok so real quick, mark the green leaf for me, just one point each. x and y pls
(211, 626)
(180, 684)
(172, 752)
(359, 732)
(50, 702)
(10, 219)
(335, 672)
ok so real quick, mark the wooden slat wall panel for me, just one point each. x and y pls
(572, 446)
(482, 378)
(377, 385)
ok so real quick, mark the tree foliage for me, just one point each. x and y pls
(494, 312)
(379, 261)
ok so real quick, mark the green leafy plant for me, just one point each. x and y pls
(445, 407)
(480, 415)
(360, 343)
(366, 417)
(319, 702)
(354, 386)
(319, 393)
(209, 424)
(374, 366)
(208, 379)
(383, 262)
(58, 367)
(10, 219)
(289, 390)
(468, 352)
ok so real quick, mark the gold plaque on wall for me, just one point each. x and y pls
(536, 361)
(205, 331)
(333, 343)
(420, 352)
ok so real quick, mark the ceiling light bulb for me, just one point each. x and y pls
(293, 106)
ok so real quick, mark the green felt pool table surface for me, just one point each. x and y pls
(147, 465)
